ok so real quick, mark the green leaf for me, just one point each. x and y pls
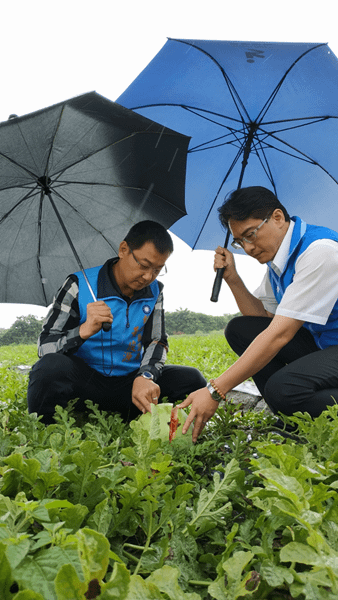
(275, 575)
(93, 548)
(39, 571)
(28, 595)
(235, 585)
(17, 550)
(212, 507)
(28, 468)
(118, 585)
(68, 585)
(6, 578)
(303, 554)
(101, 519)
(157, 423)
(166, 579)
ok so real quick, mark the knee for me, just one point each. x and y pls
(232, 328)
(194, 378)
(277, 394)
(50, 367)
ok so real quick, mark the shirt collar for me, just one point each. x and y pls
(279, 261)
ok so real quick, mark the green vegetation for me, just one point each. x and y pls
(99, 509)
(185, 321)
(25, 330)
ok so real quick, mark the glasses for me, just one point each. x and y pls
(249, 238)
(147, 269)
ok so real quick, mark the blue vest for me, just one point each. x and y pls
(119, 351)
(302, 236)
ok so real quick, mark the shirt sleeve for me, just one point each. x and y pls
(60, 332)
(265, 294)
(155, 341)
(314, 289)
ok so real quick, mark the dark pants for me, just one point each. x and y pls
(57, 378)
(300, 377)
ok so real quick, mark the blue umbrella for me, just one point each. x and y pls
(257, 113)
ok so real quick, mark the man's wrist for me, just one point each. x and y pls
(215, 392)
(146, 375)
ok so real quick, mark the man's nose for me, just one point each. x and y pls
(248, 247)
(148, 275)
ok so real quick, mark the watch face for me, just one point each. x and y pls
(147, 375)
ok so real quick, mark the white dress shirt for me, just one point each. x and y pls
(314, 289)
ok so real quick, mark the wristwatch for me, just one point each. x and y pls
(146, 375)
(214, 394)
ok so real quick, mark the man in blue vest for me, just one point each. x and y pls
(287, 338)
(121, 369)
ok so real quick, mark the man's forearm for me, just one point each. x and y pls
(247, 303)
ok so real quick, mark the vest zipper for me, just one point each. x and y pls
(127, 315)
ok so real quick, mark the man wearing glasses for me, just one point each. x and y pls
(287, 338)
(121, 369)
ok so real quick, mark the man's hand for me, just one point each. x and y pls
(145, 392)
(224, 259)
(203, 407)
(97, 314)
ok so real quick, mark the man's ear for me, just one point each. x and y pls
(278, 217)
(123, 249)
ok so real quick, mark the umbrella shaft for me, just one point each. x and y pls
(71, 245)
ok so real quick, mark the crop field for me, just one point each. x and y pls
(91, 507)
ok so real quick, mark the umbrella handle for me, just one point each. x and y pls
(217, 285)
(106, 326)
(219, 275)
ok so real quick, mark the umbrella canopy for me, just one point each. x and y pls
(74, 178)
(258, 114)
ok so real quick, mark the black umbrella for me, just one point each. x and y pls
(74, 177)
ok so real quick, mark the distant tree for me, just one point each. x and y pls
(186, 321)
(25, 330)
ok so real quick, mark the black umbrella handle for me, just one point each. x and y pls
(106, 326)
(217, 285)
(219, 276)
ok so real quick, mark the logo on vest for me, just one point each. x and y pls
(146, 309)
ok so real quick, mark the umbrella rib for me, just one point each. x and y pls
(234, 162)
(314, 122)
(18, 165)
(314, 119)
(233, 92)
(125, 187)
(191, 109)
(39, 246)
(83, 217)
(194, 110)
(111, 144)
(51, 146)
(8, 213)
(302, 156)
(265, 164)
(279, 85)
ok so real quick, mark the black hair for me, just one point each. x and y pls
(149, 231)
(249, 202)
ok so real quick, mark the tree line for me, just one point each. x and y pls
(188, 322)
(26, 330)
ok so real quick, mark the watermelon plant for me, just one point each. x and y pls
(95, 508)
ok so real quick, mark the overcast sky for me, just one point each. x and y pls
(51, 51)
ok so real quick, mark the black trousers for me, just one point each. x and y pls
(300, 377)
(57, 378)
